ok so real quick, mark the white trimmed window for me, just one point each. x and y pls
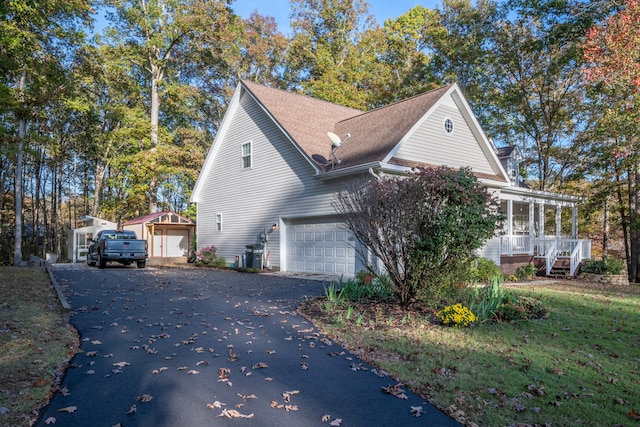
(246, 155)
(219, 222)
(448, 125)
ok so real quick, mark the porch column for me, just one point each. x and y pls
(574, 222)
(558, 220)
(510, 225)
(532, 226)
(541, 220)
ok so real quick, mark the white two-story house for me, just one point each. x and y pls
(279, 158)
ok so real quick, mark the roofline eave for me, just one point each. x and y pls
(521, 191)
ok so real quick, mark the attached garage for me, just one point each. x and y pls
(320, 246)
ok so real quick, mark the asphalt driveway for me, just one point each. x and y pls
(192, 347)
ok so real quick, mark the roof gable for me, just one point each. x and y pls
(374, 134)
(369, 138)
(306, 120)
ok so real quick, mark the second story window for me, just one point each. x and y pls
(219, 221)
(246, 155)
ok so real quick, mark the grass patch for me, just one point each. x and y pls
(36, 343)
(580, 366)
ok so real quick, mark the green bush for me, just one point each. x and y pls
(604, 266)
(493, 302)
(526, 272)
(483, 270)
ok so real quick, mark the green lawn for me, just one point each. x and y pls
(578, 367)
(36, 343)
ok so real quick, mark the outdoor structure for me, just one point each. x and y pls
(79, 242)
(279, 158)
(168, 234)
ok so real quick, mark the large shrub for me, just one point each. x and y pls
(423, 227)
(207, 256)
(604, 266)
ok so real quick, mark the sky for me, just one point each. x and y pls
(279, 9)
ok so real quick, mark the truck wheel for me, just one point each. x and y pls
(102, 262)
(90, 261)
(141, 264)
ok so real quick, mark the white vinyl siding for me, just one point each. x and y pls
(280, 184)
(432, 145)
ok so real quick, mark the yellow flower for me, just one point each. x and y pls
(456, 315)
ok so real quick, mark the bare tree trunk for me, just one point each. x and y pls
(156, 78)
(624, 221)
(634, 227)
(605, 230)
(17, 249)
(98, 187)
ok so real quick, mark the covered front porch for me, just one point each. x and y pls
(543, 226)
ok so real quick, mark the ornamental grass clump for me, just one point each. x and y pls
(456, 315)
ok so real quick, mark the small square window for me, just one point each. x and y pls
(246, 155)
(219, 222)
(448, 125)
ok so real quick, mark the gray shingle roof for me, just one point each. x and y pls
(373, 134)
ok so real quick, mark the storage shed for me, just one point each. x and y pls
(168, 234)
(91, 226)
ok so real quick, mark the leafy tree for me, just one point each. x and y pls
(325, 58)
(423, 228)
(612, 54)
(155, 36)
(36, 37)
(403, 62)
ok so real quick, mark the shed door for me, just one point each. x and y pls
(321, 247)
(177, 243)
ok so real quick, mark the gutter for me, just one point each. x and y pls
(347, 171)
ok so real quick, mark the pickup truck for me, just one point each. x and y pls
(121, 246)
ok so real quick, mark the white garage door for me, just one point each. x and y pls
(321, 247)
(177, 243)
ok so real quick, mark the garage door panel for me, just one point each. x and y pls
(327, 247)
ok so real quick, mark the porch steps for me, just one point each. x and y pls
(561, 269)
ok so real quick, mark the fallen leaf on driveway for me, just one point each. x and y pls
(68, 409)
(132, 410)
(246, 396)
(325, 418)
(396, 390)
(260, 365)
(232, 413)
(121, 364)
(416, 411)
(144, 398)
(336, 422)
(50, 420)
(216, 405)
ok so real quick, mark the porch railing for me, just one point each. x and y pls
(549, 247)
(513, 245)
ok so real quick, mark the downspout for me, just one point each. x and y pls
(376, 176)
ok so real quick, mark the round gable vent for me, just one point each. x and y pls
(448, 125)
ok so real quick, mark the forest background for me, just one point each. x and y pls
(116, 122)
